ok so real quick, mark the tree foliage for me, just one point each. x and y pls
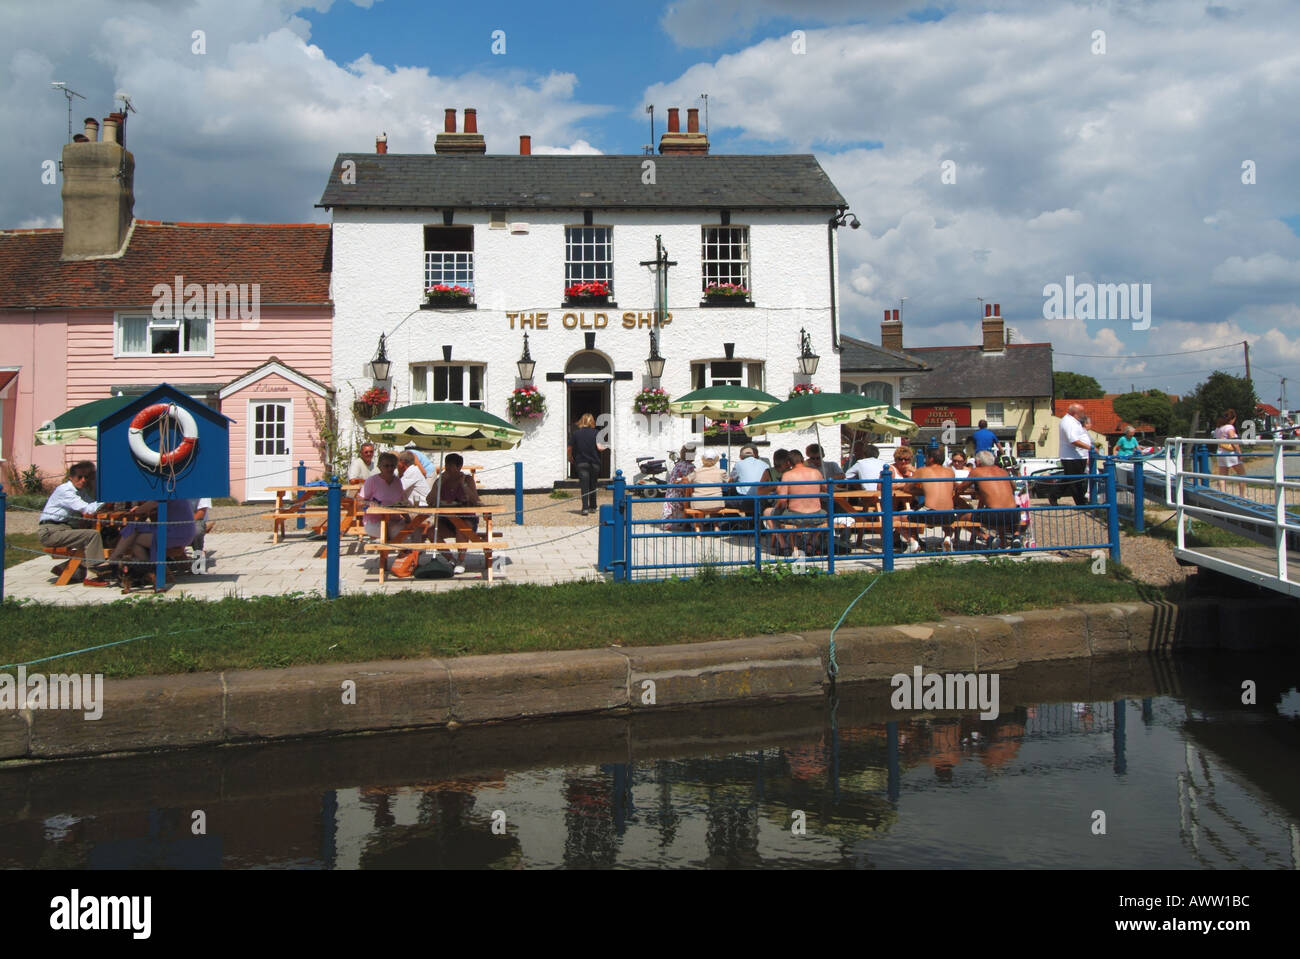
(1075, 386)
(1218, 394)
(1152, 407)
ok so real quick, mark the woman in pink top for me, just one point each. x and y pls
(384, 489)
(1228, 459)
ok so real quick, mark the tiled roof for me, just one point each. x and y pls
(1268, 409)
(967, 372)
(1104, 418)
(581, 182)
(291, 262)
(859, 356)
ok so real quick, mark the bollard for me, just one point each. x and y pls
(332, 520)
(2, 544)
(519, 493)
(1139, 498)
(1112, 510)
(887, 520)
(302, 481)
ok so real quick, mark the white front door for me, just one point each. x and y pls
(270, 453)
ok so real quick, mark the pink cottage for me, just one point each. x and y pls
(237, 315)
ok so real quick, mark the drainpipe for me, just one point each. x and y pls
(830, 258)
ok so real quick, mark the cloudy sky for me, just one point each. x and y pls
(989, 149)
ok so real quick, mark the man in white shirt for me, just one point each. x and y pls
(363, 467)
(866, 468)
(1076, 445)
(202, 526)
(65, 518)
(414, 481)
(746, 474)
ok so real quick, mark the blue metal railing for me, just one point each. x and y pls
(635, 543)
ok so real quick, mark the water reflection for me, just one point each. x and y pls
(1190, 778)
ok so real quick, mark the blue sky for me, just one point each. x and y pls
(1122, 164)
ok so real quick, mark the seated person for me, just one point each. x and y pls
(202, 526)
(384, 489)
(679, 475)
(363, 466)
(959, 464)
(748, 475)
(996, 491)
(709, 474)
(134, 552)
(904, 462)
(800, 499)
(454, 488)
(68, 521)
(1127, 445)
(866, 466)
(414, 480)
(938, 498)
(814, 458)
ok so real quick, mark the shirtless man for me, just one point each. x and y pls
(938, 496)
(802, 512)
(996, 493)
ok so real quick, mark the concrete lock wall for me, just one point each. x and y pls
(378, 283)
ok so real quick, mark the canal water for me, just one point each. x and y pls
(1161, 753)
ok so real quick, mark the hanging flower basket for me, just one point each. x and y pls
(370, 403)
(591, 293)
(443, 295)
(650, 401)
(725, 293)
(526, 404)
(803, 389)
(722, 429)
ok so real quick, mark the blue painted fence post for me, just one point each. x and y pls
(622, 529)
(1201, 463)
(302, 481)
(2, 544)
(1139, 498)
(887, 520)
(758, 528)
(1112, 510)
(519, 493)
(160, 547)
(605, 537)
(830, 526)
(332, 520)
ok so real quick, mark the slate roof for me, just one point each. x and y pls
(291, 261)
(967, 372)
(582, 182)
(859, 356)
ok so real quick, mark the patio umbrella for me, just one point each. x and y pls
(887, 419)
(442, 427)
(80, 422)
(728, 403)
(831, 409)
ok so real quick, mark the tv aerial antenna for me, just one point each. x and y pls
(705, 98)
(69, 94)
(650, 147)
(127, 106)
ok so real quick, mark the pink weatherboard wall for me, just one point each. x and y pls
(37, 343)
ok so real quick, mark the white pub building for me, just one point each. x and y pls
(520, 231)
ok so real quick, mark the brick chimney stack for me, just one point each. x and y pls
(994, 335)
(98, 191)
(891, 332)
(469, 142)
(381, 143)
(691, 143)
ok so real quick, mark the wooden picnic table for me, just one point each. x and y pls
(298, 507)
(466, 536)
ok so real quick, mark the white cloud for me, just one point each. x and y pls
(1266, 269)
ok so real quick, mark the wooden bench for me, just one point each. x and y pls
(76, 556)
(383, 549)
(701, 517)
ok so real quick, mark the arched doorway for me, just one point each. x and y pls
(588, 385)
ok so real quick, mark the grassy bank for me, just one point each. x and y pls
(188, 635)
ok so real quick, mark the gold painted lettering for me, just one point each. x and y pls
(629, 321)
(541, 320)
(570, 320)
(601, 320)
(511, 317)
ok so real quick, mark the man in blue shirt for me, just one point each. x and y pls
(748, 471)
(984, 438)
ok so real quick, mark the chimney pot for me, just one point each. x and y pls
(886, 316)
(381, 143)
(993, 330)
(471, 120)
(674, 124)
(896, 319)
(110, 128)
(997, 309)
(92, 129)
(891, 332)
(693, 120)
(988, 309)
(449, 120)
(525, 145)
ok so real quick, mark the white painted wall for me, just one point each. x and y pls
(378, 281)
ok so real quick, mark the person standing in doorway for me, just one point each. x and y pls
(1076, 445)
(584, 454)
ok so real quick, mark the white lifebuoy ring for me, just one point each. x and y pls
(156, 459)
